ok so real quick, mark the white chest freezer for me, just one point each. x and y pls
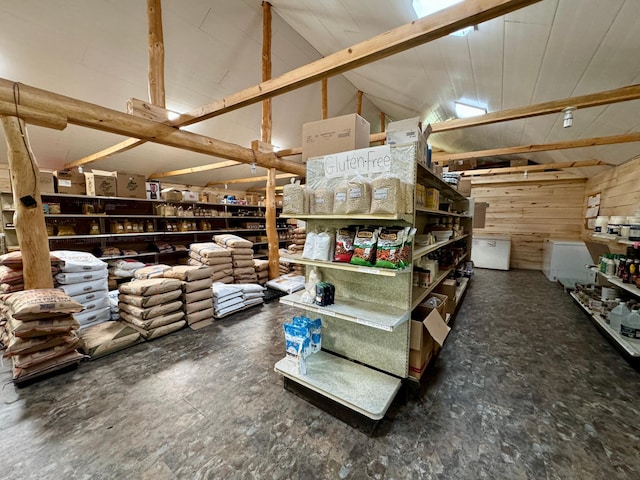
(566, 259)
(491, 252)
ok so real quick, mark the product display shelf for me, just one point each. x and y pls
(428, 179)
(614, 280)
(430, 211)
(385, 272)
(421, 251)
(350, 217)
(379, 316)
(355, 386)
(630, 347)
(418, 294)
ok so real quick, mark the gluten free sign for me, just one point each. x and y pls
(364, 161)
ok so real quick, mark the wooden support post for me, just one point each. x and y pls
(383, 126)
(156, 53)
(270, 211)
(359, 103)
(325, 97)
(29, 216)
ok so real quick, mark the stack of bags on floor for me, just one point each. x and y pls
(299, 237)
(84, 278)
(215, 256)
(153, 307)
(197, 295)
(241, 256)
(262, 270)
(228, 299)
(39, 332)
(108, 337)
(11, 277)
(124, 268)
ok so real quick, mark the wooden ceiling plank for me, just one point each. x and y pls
(96, 117)
(250, 179)
(580, 143)
(200, 168)
(533, 168)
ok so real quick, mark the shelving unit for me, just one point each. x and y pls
(222, 218)
(365, 344)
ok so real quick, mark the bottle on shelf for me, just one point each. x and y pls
(617, 314)
(630, 325)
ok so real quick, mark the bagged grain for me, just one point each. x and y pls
(261, 265)
(199, 316)
(293, 199)
(188, 287)
(14, 260)
(238, 252)
(75, 289)
(31, 359)
(72, 261)
(154, 322)
(108, 337)
(151, 271)
(42, 328)
(149, 301)
(65, 278)
(90, 297)
(209, 250)
(92, 317)
(23, 346)
(243, 264)
(197, 296)
(221, 274)
(147, 313)
(49, 366)
(229, 240)
(160, 331)
(39, 303)
(197, 306)
(188, 273)
(387, 195)
(358, 195)
(150, 286)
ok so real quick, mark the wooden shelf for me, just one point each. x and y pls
(353, 217)
(364, 390)
(378, 316)
(630, 347)
(430, 211)
(428, 179)
(418, 294)
(135, 255)
(423, 250)
(385, 272)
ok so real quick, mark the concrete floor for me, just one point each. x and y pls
(524, 388)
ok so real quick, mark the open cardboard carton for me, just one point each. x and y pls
(427, 336)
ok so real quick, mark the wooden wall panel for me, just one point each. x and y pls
(619, 188)
(530, 211)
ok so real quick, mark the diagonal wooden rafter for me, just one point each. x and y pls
(405, 37)
(198, 169)
(495, 152)
(533, 168)
(250, 179)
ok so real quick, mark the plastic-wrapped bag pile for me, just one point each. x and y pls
(303, 337)
(153, 306)
(123, 268)
(11, 277)
(84, 278)
(212, 255)
(241, 257)
(39, 332)
(228, 299)
(197, 295)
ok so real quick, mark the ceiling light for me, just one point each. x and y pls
(464, 110)
(568, 116)
(424, 8)
(253, 168)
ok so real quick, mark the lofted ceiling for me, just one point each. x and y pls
(96, 50)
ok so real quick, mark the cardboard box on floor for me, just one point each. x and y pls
(334, 135)
(448, 288)
(427, 335)
(424, 308)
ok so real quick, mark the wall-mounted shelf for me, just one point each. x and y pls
(429, 211)
(354, 217)
(613, 280)
(421, 251)
(385, 272)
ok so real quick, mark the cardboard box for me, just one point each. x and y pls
(152, 189)
(333, 135)
(448, 288)
(479, 214)
(101, 183)
(464, 187)
(46, 182)
(171, 195)
(130, 185)
(432, 198)
(405, 131)
(70, 182)
(424, 308)
(189, 196)
(426, 336)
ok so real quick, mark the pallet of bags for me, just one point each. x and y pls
(108, 337)
(262, 270)
(227, 299)
(252, 294)
(212, 255)
(153, 306)
(39, 333)
(241, 257)
(197, 295)
(11, 276)
(84, 277)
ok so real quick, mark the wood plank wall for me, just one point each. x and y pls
(619, 189)
(544, 205)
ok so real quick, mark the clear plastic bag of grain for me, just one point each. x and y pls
(387, 194)
(322, 199)
(293, 199)
(358, 195)
(340, 197)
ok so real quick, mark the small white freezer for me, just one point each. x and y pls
(491, 252)
(566, 259)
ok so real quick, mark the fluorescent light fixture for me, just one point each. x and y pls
(424, 8)
(464, 110)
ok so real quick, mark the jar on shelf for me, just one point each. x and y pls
(149, 226)
(66, 230)
(94, 228)
(116, 226)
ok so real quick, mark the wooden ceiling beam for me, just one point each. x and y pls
(624, 94)
(250, 179)
(580, 143)
(198, 169)
(33, 116)
(405, 37)
(96, 117)
(541, 167)
(418, 32)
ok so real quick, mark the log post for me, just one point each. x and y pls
(29, 216)
(270, 209)
(383, 125)
(156, 53)
(325, 101)
(359, 103)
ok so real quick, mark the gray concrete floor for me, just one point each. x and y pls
(525, 388)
